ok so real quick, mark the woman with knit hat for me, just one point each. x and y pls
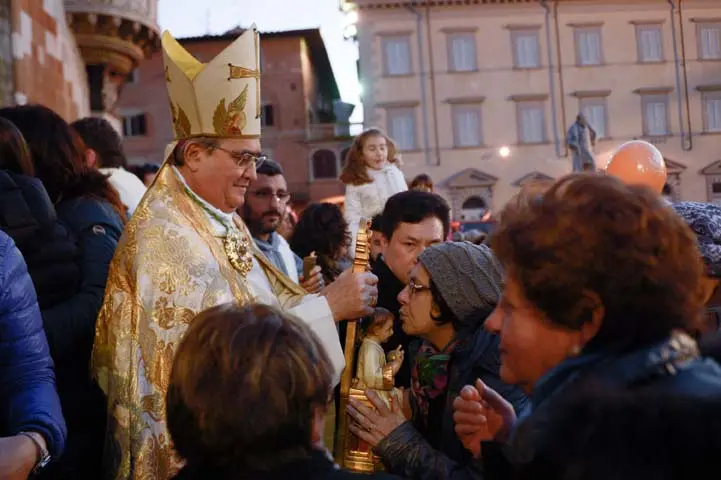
(452, 290)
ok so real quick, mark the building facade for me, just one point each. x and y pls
(305, 126)
(49, 48)
(480, 94)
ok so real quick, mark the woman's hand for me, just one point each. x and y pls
(481, 414)
(314, 283)
(371, 425)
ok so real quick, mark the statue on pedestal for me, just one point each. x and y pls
(581, 138)
(374, 371)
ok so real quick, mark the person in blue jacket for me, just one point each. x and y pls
(32, 428)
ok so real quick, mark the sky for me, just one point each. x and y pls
(185, 18)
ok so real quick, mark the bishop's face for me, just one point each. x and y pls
(221, 175)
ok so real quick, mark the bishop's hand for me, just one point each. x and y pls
(352, 295)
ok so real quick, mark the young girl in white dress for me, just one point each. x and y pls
(371, 176)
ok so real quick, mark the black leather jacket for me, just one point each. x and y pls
(407, 453)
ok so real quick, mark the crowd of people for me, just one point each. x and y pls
(184, 322)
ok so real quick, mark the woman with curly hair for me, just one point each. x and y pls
(323, 230)
(90, 209)
(603, 285)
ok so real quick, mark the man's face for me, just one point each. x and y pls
(376, 244)
(222, 175)
(401, 252)
(265, 204)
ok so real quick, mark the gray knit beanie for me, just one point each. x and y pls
(469, 278)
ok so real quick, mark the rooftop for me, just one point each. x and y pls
(318, 53)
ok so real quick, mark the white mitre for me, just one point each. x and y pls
(220, 98)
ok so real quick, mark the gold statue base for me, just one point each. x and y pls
(357, 455)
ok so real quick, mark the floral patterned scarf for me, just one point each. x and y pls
(429, 377)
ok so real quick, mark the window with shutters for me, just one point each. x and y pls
(462, 52)
(325, 164)
(467, 125)
(267, 117)
(712, 111)
(714, 193)
(709, 40)
(135, 125)
(402, 127)
(397, 55)
(526, 48)
(589, 48)
(655, 115)
(531, 122)
(594, 109)
(649, 43)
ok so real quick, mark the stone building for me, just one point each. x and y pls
(480, 93)
(305, 125)
(73, 55)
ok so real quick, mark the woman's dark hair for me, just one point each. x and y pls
(421, 180)
(99, 135)
(57, 152)
(14, 153)
(245, 385)
(445, 314)
(591, 234)
(322, 229)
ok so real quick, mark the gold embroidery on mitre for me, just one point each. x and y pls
(208, 102)
(181, 122)
(231, 120)
(242, 72)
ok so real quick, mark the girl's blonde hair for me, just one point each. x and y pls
(355, 171)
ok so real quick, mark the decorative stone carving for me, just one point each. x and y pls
(466, 184)
(142, 11)
(673, 174)
(533, 176)
(114, 36)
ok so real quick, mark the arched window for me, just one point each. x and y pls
(474, 203)
(325, 164)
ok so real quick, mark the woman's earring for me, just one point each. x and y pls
(575, 350)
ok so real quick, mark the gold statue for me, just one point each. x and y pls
(351, 452)
(373, 371)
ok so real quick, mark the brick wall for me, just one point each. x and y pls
(47, 65)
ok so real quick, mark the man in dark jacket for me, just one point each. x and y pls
(33, 429)
(411, 222)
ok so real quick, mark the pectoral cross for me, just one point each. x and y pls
(242, 72)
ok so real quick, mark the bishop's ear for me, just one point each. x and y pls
(193, 155)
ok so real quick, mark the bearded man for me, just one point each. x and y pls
(266, 204)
